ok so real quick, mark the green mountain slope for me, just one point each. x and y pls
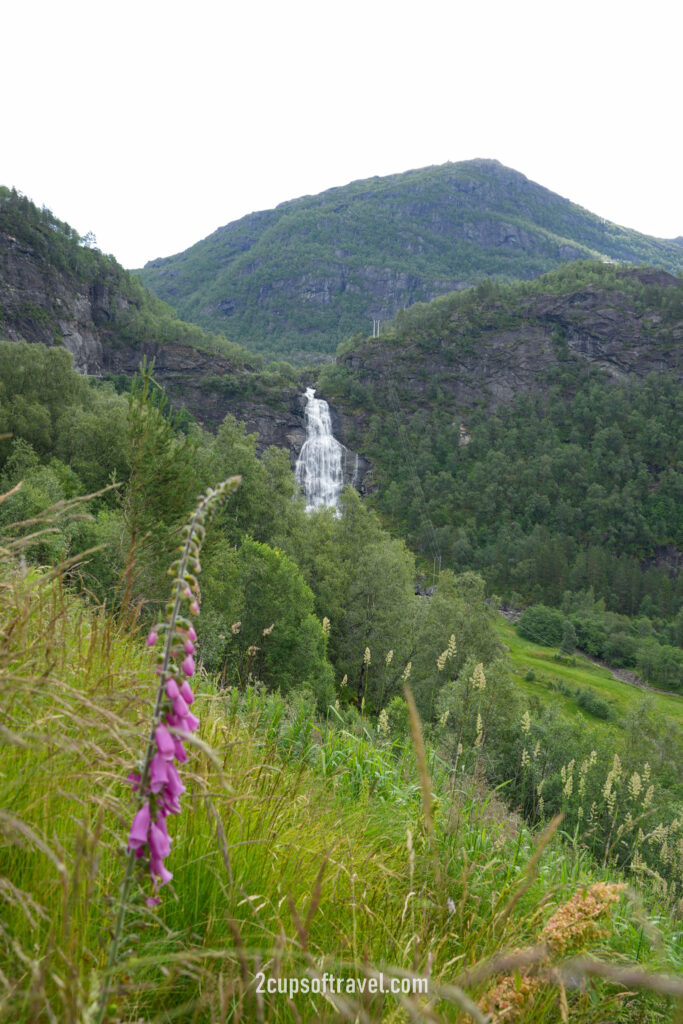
(298, 279)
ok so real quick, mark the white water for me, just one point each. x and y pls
(318, 469)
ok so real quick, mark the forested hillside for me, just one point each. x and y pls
(532, 433)
(295, 281)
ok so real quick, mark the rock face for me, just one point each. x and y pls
(40, 304)
(602, 327)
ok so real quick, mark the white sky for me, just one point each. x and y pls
(153, 122)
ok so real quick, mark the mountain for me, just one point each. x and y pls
(297, 280)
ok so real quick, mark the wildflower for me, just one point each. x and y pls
(388, 659)
(573, 925)
(526, 722)
(480, 732)
(647, 799)
(525, 758)
(269, 629)
(172, 690)
(366, 657)
(478, 679)
(444, 717)
(326, 626)
(343, 682)
(164, 741)
(383, 722)
(635, 785)
(406, 672)
(158, 783)
(139, 829)
(235, 628)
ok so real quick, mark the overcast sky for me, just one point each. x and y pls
(151, 122)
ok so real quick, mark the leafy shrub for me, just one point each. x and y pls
(589, 701)
(542, 625)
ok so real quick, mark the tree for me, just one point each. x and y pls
(569, 639)
(280, 641)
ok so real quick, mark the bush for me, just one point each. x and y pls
(593, 704)
(542, 625)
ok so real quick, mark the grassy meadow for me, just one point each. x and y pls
(622, 697)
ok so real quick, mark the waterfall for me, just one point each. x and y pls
(318, 469)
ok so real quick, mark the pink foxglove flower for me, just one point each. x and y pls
(180, 707)
(190, 723)
(158, 773)
(158, 784)
(139, 830)
(159, 842)
(164, 742)
(172, 690)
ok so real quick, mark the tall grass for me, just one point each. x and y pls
(302, 848)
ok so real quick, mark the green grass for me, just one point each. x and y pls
(300, 849)
(622, 697)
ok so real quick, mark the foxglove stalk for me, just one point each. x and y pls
(158, 785)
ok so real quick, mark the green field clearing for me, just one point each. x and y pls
(621, 697)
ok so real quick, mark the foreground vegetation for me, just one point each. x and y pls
(303, 848)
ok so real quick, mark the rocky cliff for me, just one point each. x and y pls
(623, 322)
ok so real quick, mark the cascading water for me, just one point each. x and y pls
(318, 469)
